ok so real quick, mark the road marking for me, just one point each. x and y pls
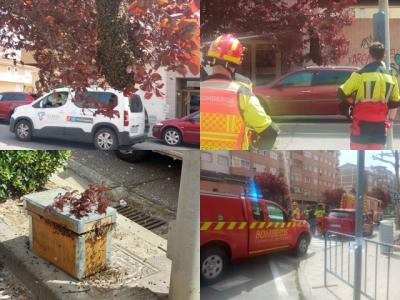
(230, 283)
(280, 287)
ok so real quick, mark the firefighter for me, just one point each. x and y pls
(296, 211)
(375, 90)
(319, 218)
(229, 109)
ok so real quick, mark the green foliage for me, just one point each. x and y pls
(22, 172)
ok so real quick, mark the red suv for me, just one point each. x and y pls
(10, 100)
(309, 91)
(342, 220)
(176, 131)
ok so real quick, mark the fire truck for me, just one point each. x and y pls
(371, 206)
(234, 227)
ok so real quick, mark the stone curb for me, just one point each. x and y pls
(26, 275)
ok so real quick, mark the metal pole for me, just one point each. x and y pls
(185, 283)
(359, 224)
(384, 7)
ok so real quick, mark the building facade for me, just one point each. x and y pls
(375, 176)
(307, 173)
(16, 77)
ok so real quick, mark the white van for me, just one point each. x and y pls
(55, 116)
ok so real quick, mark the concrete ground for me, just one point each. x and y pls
(154, 182)
(139, 269)
(10, 287)
(265, 277)
(332, 133)
(311, 272)
(8, 141)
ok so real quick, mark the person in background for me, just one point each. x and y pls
(296, 211)
(311, 220)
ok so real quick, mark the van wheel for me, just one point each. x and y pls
(213, 264)
(23, 131)
(105, 139)
(302, 245)
(172, 136)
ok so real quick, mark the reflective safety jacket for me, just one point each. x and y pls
(372, 86)
(227, 110)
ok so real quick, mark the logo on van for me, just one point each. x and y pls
(41, 115)
(79, 119)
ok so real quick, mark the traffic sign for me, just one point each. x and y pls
(396, 195)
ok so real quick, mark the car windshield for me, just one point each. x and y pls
(341, 214)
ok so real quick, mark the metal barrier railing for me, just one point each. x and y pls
(342, 270)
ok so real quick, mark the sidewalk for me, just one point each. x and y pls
(139, 270)
(311, 272)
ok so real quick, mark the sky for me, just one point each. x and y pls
(349, 156)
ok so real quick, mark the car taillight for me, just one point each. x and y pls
(126, 119)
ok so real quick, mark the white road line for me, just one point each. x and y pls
(230, 283)
(282, 291)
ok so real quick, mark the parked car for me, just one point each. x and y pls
(234, 227)
(10, 100)
(176, 131)
(342, 220)
(56, 116)
(309, 91)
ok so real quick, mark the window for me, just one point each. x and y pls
(307, 154)
(55, 99)
(307, 179)
(196, 117)
(315, 181)
(275, 214)
(206, 157)
(302, 78)
(257, 211)
(244, 163)
(12, 97)
(274, 155)
(223, 160)
(274, 171)
(96, 99)
(135, 103)
(259, 168)
(329, 77)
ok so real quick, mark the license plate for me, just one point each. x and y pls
(335, 225)
(134, 129)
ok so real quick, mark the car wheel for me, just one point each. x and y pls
(213, 264)
(172, 137)
(105, 139)
(23, 131)
(132, 155)
(302, 245)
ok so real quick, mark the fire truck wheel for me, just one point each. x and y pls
(302, 245)
(214, 262)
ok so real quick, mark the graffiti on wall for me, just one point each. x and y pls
(361, 56)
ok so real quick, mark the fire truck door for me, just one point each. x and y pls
(277, 231)
(257, 223)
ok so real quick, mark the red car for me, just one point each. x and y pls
(10, 100)
(176, 131)
(309, 91)
(342, 220)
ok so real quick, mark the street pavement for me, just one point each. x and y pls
(318, 133)
(265, 277)
(8, 141)
(156, 178)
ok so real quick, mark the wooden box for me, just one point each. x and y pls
(80, 247)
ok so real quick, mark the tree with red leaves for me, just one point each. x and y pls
(382, 195)
(117, 43)
(301, 30)
(332, 197)
(273, 188)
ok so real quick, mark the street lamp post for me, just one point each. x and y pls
(359, 224)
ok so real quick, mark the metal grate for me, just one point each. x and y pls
(140, 217)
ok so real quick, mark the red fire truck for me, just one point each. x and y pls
(234, 227)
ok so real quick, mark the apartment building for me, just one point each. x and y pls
(375, 176)
(308, 173)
